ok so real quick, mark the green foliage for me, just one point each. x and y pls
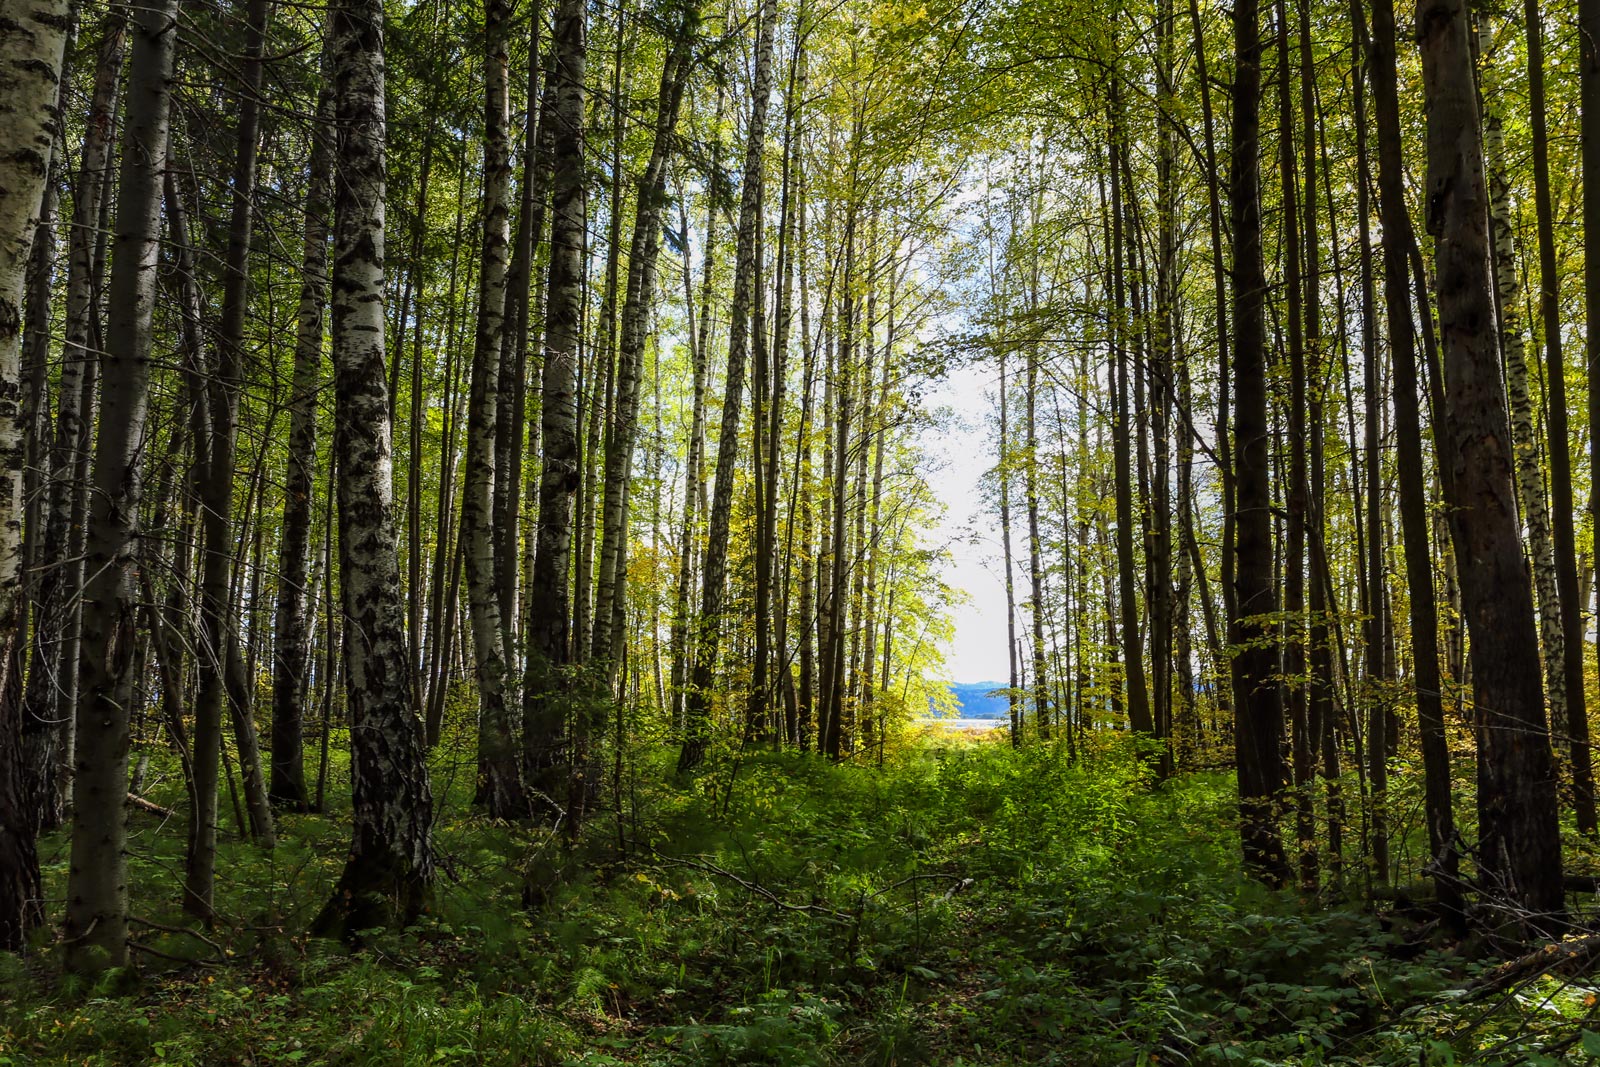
(968, 904)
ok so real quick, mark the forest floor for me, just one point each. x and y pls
(965, 904)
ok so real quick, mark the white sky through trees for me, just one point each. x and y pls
(960, 451)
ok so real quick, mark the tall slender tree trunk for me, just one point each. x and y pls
(52, 684)
(780, 568)
(415, 276)
(835, 740)
(714, 576)
(641, 284)
(292, 645)
(96, 926)
(1224, 450)
(34, 422)
(1572, 711)
(1219, 285)
(643, 251)
(1294, 562)
(224, 384)
(602, 393)
(1258, 729)
(1003, 476)
(499, 778)
(699, 342)
(446, 556)
(871, 707)
(805, 698)
(1529, 470)
(512, 566)
(1169, 609)
(1589, 114)
(871, 416)
(1322, 742)
(1041, 678)
(1140, 719)
(755, 709)
(548, 636)
(388, 876)
(1412, 492)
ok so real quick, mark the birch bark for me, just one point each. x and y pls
(388, 875)
(33, 40)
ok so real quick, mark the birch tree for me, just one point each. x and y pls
(388, 876)
(33, 40)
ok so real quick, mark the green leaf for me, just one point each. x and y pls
(1591, 1043)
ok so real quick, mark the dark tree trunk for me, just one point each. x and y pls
(1412, 491)
(499, 774)
(96, 926)
(292, 645)
(548, 637)
(218, 627)
(1258, 729)
(1140, 719)
(1294, 561)
(1589, 112)
(1003, 476)
(645, 246)
(1519, 846)
(52, 685)
(1321, 682)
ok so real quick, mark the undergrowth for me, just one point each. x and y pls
(964, 904)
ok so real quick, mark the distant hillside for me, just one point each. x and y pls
(976, 703)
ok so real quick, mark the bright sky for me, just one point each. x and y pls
(963, 451)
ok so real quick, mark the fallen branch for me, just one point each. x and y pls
(959, 881)
(965, 883)
(164, 928)
(839, 917)
(137, 801)
(147, 950)
(1572, 956)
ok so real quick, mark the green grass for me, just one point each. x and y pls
(966, 904)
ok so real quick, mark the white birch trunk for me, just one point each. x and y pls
(33, 39)
(388, 877)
